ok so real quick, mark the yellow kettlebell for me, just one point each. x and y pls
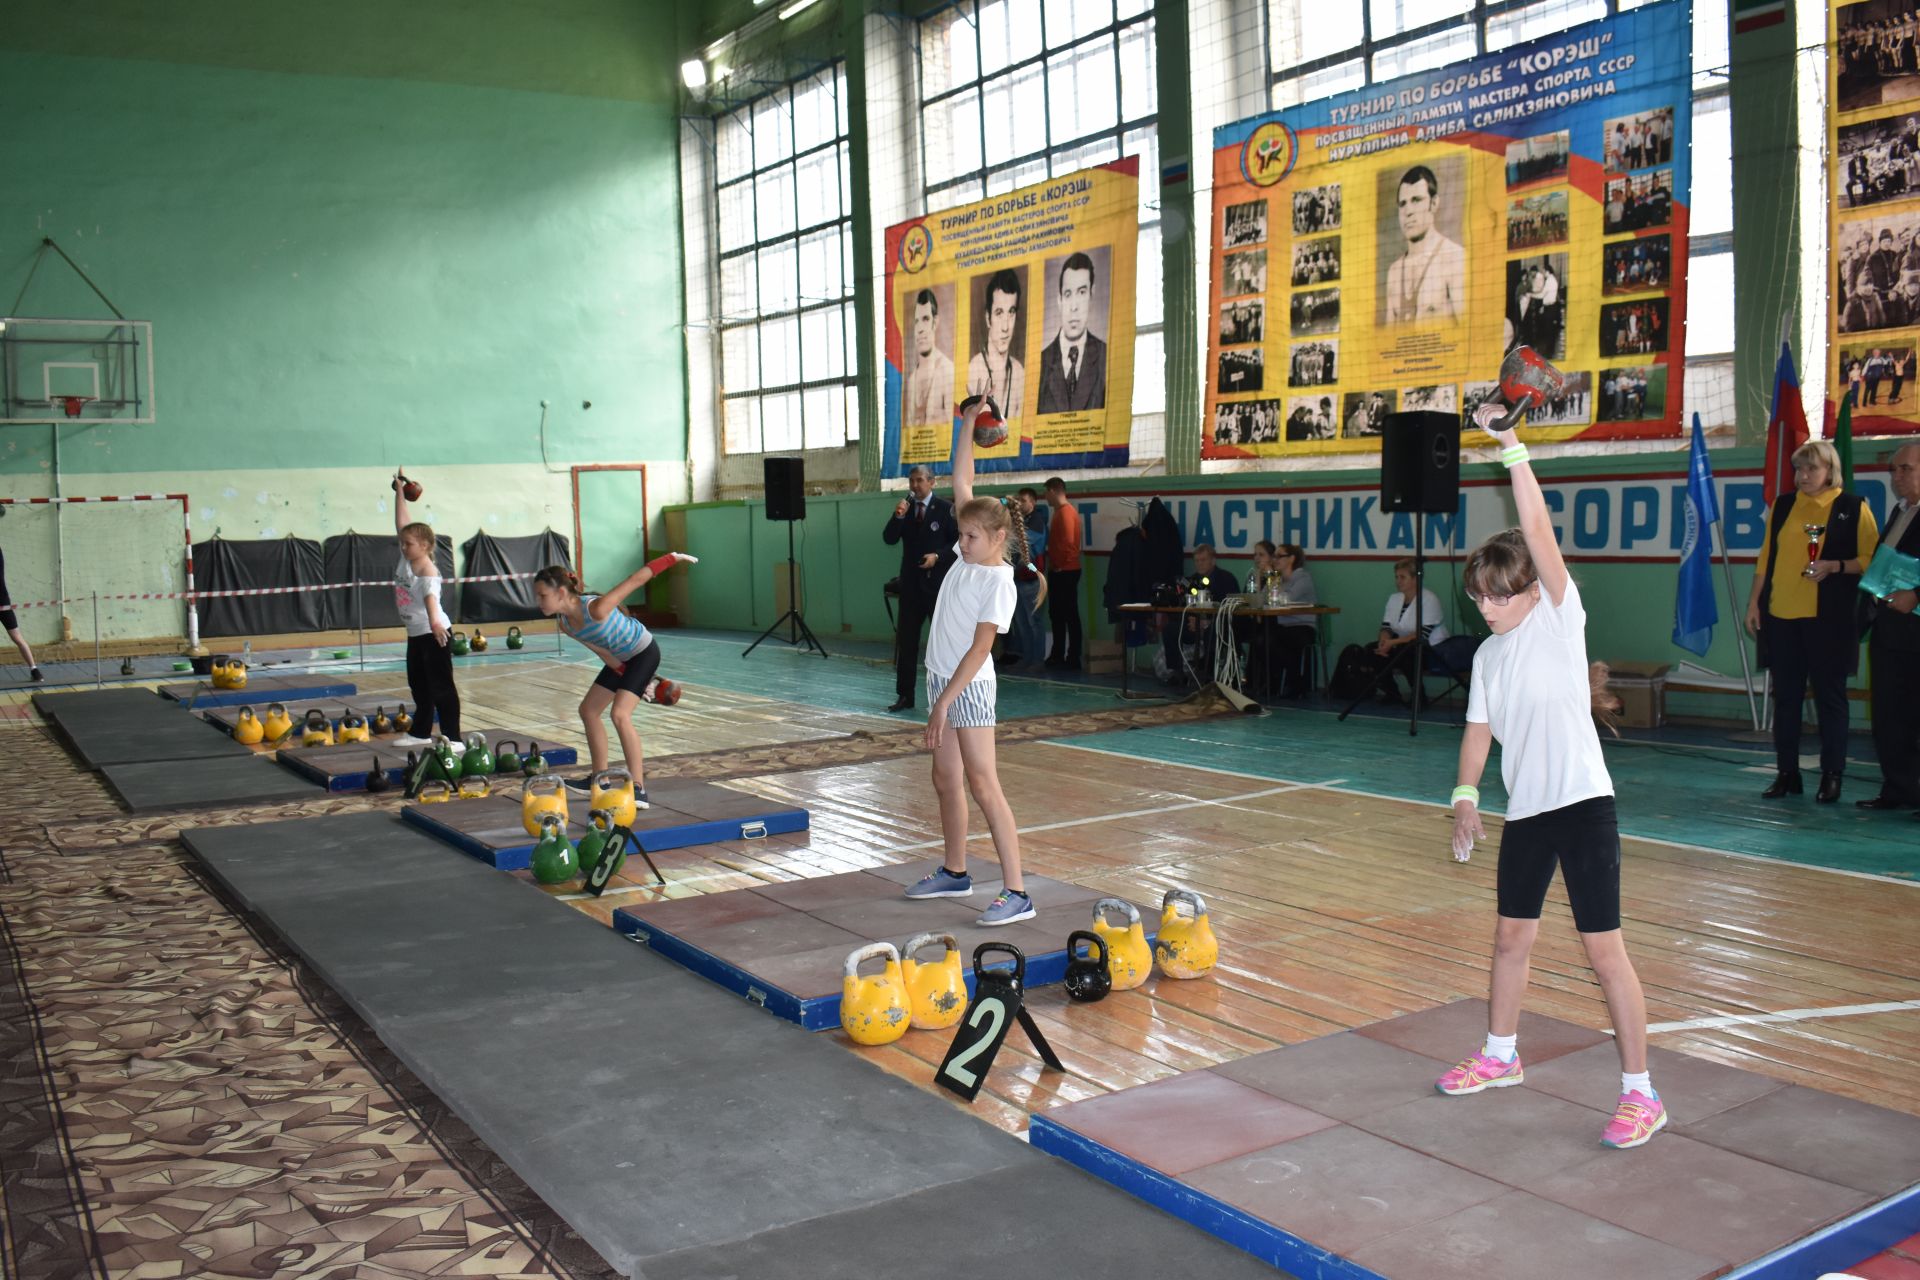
(479, 641)
(1129, 958)
(873, 1009)
(475, 788)
(435, 792)
(278, 723)
(318, 730)
(217, 669)
(613, 789)
(236, 674)
(937, 992)
(1185, 946)
(542, 795)
(353, 728)
(247, 729)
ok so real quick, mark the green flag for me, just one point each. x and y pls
(1843, 440)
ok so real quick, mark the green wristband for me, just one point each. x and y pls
(1470, 794)
(1514, 456)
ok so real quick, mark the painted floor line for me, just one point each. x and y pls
(1442, 805)
(1785, 1015)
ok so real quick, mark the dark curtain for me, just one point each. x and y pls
(220, 564)
(507, 601)
(367, 557)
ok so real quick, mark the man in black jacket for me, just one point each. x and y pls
(1893, 646)
(923, 525)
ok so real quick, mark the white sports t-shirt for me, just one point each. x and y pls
(970, 595)
(410, 592)
(1398, 616)
(1530, 687)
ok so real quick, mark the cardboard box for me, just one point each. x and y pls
(1642, 690)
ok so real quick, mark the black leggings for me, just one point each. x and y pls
(430, 680)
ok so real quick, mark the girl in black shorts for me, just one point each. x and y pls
(1534, 692)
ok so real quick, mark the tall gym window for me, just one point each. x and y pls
(784, 220)
(1017, 91)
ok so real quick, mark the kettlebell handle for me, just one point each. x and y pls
(872, 951)
(604, 778)
(913, 945)
(508, 744)
(1188, 896)
(540, 783)
(603, 818)
(1005, 948)
(548, 818)
(1101, 907)
(476, 739)
(1097, 946)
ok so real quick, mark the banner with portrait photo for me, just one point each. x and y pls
(1380, 251)
(1028, 298)
(1874, 153)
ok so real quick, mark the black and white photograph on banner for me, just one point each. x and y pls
(1313, 364)
(1242, 371)
(1878, 375)
(1572, 407)
(1475, 394)
(1641, 201)
(1542, 158)
(929, 327)
(1421, 272)
(1312, 418)
(1879, 160)
(1316, 209)
(1244, 321)
(1537, 220)
(1878, 272)
(1442, 398)
(1364, 413)
(999, 318)
(1247, 422)
(1639, 141)
(1537, 303)
(1633, 328)
(1243, 274)
(1633, 394)
(1316, 261)
(1635, 266)
(1878, 58)
(1315, 312)
(1245, 224)
(1074, 325)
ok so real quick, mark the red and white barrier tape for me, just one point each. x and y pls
(252, 591)
(118, 497)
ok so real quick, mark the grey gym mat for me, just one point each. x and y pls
(155, 731)
(653, 1110)
(83, 702)
(165, 786)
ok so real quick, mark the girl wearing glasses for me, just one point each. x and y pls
(1534, 692)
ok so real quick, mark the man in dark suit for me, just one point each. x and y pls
(1893, 646)
(1073, 368)
(923, 526)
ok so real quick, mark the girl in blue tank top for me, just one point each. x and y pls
(630, 654)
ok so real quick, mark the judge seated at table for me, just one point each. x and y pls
(1195, 631)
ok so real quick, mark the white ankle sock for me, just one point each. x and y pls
(1643, 1083)
(1504, 1048)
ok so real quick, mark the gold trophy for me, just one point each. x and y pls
(1814, 532)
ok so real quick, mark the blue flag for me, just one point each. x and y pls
(1694, 609)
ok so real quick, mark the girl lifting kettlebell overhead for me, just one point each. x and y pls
(975, 604)
(630, 654)
(416, 591)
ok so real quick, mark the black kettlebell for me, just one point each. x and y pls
(377, 779)
(1087, 978)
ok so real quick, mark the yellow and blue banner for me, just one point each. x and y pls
(1379, 251)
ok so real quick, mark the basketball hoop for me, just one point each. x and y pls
(72, 405)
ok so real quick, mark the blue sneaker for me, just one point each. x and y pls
(942, 884)
(1007, 906)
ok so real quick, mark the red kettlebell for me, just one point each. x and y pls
(989, 429)
(411, 488)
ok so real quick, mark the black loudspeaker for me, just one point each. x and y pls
(786, 488)
(1420, 463)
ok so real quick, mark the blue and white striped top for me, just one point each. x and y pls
(620, 634)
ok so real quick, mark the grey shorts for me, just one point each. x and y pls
(973, 709)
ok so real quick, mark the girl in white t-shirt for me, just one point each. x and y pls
(975, 604)
(1534, 692)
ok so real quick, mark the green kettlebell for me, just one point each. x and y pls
(446, 765)
(514, 639)
(478, 761)
(508, 761)
(599, 827)
(533, 764)
(460, 645)
(554, 859)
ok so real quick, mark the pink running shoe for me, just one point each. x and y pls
(1480, 1072)
(1636, 1119)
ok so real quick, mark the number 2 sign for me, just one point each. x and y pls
(997, 1003)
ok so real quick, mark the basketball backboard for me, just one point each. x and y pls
(62, 370)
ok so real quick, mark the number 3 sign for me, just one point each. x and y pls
(996, 1004)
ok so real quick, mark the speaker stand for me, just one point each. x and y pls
(1419, 646)
(797, 625)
